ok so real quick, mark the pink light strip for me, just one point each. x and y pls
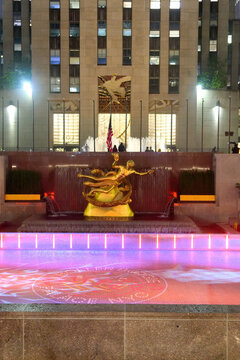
(192, 241)
(19, 241)
(122, 241)
(1, 241)
(105, 241)
(140, 241)
(227, 242)
(53, 245)
(209, 242)
(174, 242)
(36, 241)
(70, 241)
(88, 241)
(157, 241)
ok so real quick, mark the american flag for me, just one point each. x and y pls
(109, 135)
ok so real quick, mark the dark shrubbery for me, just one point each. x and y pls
(23, 182)
(196, 182)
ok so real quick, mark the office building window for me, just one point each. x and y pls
(74, 79)
(174, 47)
(54, 4)
(102, 32)
(163, 129)
(213, 29)
(127, 33)
(54, 45)
(74, 4)
(65, 129)
(199, 36)
(17, 33)
(213, 45)
(74, 46)
(154, 47)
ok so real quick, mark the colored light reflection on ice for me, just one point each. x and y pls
(116, 241)
(120, 277)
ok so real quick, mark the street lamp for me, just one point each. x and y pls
(27, 87)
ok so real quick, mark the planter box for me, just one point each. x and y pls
(22, 197)
(196, 198)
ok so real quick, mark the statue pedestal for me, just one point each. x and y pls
(115, 211)
(118, 211)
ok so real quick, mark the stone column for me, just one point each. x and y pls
(40, 70)
(188, 71)
(140, 67)
(88, 65)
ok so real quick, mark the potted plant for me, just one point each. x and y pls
(23, 185)
(197, 185)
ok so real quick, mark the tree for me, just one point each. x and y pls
(215, 77)
(12, 79)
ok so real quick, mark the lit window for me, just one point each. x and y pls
(118, 125)
(127, 4)
(17, 47)
(199, 48)
(173, 86)
(102, 28)
(155, 4)
(175, 4)
(55, 60)
(102, 56)
(17, 22)
(55, 84)
(74, 57)
(74, 60)
(74, 4)
(154, 60)
(54, 4)
(154, 33)
(229, 39)
(127, 32)
(74, 85)
(71, 129)
(174, 33)
(102, 3)
(173, 57)
(163, 129)
(213, 45)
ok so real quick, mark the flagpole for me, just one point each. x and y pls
(126, 124)
(110, 132)
(110, 111)
(94, 128)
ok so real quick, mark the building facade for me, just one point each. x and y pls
(135, 62)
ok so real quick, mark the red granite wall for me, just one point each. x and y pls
(150, 193)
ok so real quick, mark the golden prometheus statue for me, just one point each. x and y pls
(109, 194)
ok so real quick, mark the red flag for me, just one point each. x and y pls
(109, 135)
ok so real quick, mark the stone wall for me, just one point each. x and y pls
(122, 332)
